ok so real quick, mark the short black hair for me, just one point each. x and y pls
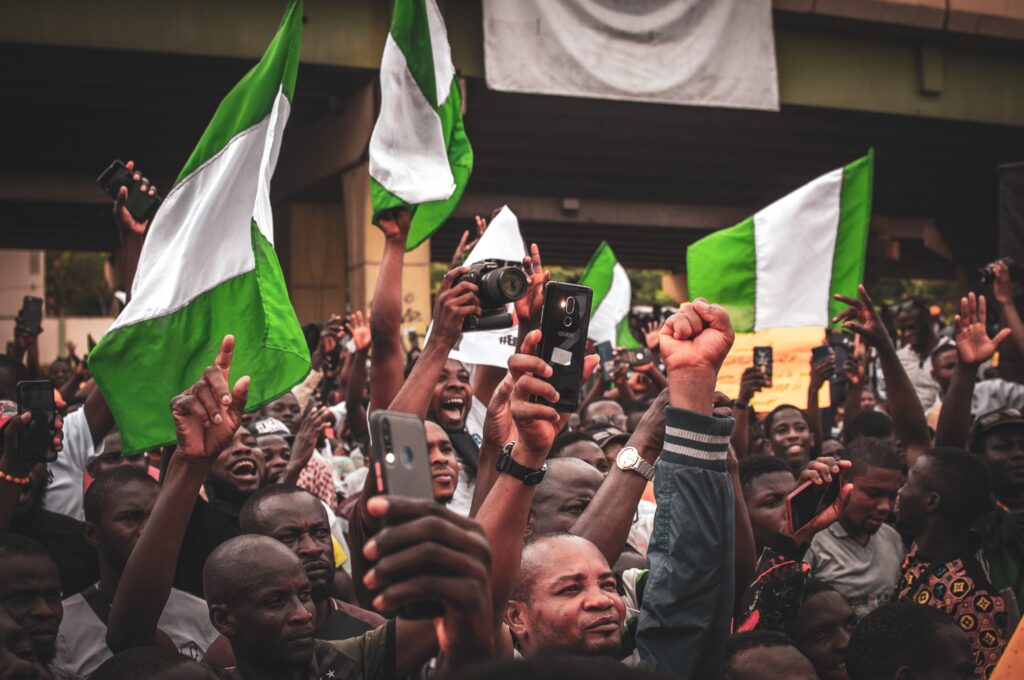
(868, 424)
(568, 438)
(865, 452)
(768, 419)
(894, 635)
(108, 486)
(754, 639)
(963, 482)
(524, 580)
(752, 467)
(139, 663)
(249, 514)
(16, 544)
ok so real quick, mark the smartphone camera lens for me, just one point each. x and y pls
(570, 305)
(407, 458)
(567, 321)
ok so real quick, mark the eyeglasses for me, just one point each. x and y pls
(996, 416)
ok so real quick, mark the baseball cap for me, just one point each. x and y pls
(609, 435)
(269, 426)
(989, 421)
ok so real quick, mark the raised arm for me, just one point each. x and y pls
(206, 417)
(1002, 291)
(904, 406)
(973, 346)
(15, 471)
(355, 385)
(609, 516)
(131, 231)
(310, 430)
(688, 601)
(388, 364)
(856, 374)
(820, 372)
(752, 382)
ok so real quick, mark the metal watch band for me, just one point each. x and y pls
(645, 469)
(528, 476)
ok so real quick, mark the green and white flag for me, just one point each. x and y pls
(419, 153)
(208, 267)
(609, 313)
(779, 268)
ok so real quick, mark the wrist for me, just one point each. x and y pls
(692, 389)
(528, 456)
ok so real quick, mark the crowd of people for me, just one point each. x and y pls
(644, 534)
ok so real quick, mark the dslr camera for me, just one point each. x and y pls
(986, 275)
(499, 283)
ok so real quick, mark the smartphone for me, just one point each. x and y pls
(636, 357)
(140, 205)
(763, 361)
(809, 500)
(401, 461)
(32, 314)
(35, 441)
(564, 323)
(607, 357)
(820, 353)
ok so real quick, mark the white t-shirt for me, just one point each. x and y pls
(64, 488)
(82, 644)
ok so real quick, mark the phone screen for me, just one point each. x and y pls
(809, 500)
(763, 361)
(565, 321)
(35, 444)
(32, 314)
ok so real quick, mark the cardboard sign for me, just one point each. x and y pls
(791, 367)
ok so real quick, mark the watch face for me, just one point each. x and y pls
(627, 457)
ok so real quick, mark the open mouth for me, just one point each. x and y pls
(453, 406)
(444, 476)
(245, 469)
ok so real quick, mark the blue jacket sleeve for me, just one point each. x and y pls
(686, 612)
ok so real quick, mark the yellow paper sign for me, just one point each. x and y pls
(791, 366)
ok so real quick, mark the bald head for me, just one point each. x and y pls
(555, 553)
(245, 562)
(568, 487)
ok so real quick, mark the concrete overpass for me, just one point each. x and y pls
(935, 86)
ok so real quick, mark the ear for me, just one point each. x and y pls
(222, 619)
(516, 618)
(905, 673)
(933, 502)
(90, 534)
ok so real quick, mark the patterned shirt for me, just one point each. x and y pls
(961, 588)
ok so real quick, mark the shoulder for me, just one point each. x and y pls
(373, 619)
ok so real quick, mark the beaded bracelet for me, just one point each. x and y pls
(20, 481)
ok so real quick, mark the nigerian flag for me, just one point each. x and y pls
(208, 266)
(419, 153)
(609, 313)
(779, 268)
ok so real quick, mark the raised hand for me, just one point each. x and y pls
(124, 220)
(360, 329)
(395, 224)
(310, 429)
(861, 318)
(11, 460)
(529, 306)
(820, 471)
(466, 245)
(652, 331)
(537, 423)
(972, 341)
(1002, 286)
(752, 382)
(698, 336)
(821, 371)
(854, 369)
(455, 301)
(207, 415)
(499, 427)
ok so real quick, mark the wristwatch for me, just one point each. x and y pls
(528, 476)
(629, 460)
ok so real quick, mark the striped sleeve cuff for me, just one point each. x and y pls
(696, 439)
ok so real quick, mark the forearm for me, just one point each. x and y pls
(1010, 318)
(904, 406)
(595, 393)
(148, 575)
(851, 404)
(746, 548)
(740, 439)
(386, 327)
(687, 606)
(416, 392)
(354, 389)
(955, 415)
(657, 378)
(486, 475)
(98, 415)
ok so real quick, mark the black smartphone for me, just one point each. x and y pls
(140, 205)
(635, 357)
(401, 461)
(565, 320)
(32, 314)
(607, 357)
(809, 500)
(35, 442)
(763, 362)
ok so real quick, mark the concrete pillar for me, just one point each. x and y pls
(364, 246)
(315, 259)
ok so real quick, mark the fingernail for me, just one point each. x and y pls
(558, 397)
(226, 399)
(703, 304)
(206, 423)
(370, 549)
(217, 419)
(378, 603)
(370, 580)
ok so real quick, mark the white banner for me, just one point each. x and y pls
(694, 52)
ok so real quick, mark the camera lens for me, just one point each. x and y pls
(501, 285)
(512, 283)
(567, 321)
(407, 459)
(570, 304)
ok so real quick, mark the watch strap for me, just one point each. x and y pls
(507, 465)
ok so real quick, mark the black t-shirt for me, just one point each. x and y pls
(371, 656)
(207, 529)
(62, 537)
